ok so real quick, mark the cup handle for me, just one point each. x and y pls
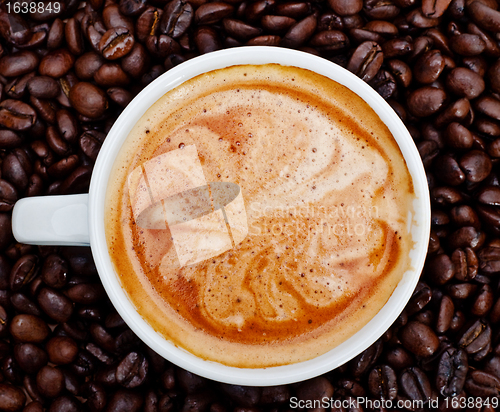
(52, 220)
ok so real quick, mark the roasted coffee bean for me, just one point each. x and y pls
(300, 32)
(28, 328)
(23, 304)
(55, 304)
(116, 43)
(56, 63)
(452, 372)
(55, 35)
(464, 82)
(484, 16)
(55, 271)
(18, 64)
(16, 115)
(415, 384)
(120, 96)
(366, 60)
(433, 8)
(426, 101)
(458, 136)
(65, 403)
(23, 271)
(330, 41)
(366, 359)
(112, 17)
(12, 398)
(346, 7)
(8, 196)
(466, 44)
(108, 75)
(30, 357)
(43, 87)
(10, 139)
(136, 62)
(475, 337)
(62, 350)
(419, 339)
(281, 24)
(6, 236)
(482, 384)
(86, 65)
(74, 37)
(125, 400)
(476, 165)
(314, 389)
(382, 382)
(88, 99)
(448, 170)
(440, 270)
(14, 28)
(429, 66)
(132, 370)
(33, 406)
(132, 7)
(148, 23)
(483, 302)
(50, 381)
(176, 19)
(85, 293)
(206, 39)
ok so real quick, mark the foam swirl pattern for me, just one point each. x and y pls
(327, 198)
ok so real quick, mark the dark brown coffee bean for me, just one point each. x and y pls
(8, 197)
(415, 384)
(18, 64)
(452, 371)
(419, 339)
(366, 60)
(300, 32)
(346, 7)
(10, 139)
(6, 236)
(23, 271)
(109, 75)
(281, 24)
(448, 170)
(56, 305)
(314, 389)
(433, 8)
(466, 44)
(476, 337)
(88, 99)
(458, 136)
(116, 43)
(483, 384)
(206, 39)
(14, 28)
(33, 406)
(56, 63)
(55, 35)
(12, 399)
(56, 142)
(429, 67)
(426, 101)
(43, 87)
(210, 13)
(62, 350)
(50, 381)
(16, 171)
(66, 403)
(362, 363)
(132, 7)
(132, 370)
(484, 16)
(16, 115)
(136, 62)
(382, 383)
(396, 48)
(483, 302)
(476, 165)
(125, 400)
(120, 96)
(445, 314)
(148, 23)
(67, 125)
(455, 112)
(74, 37)
(176, 19)
(240, 30)
(85, 293)
(401, 71)
(464, 82)
(23, 304)
(28, 328)
(330, 41)
(30, 357)
(440, 269)
(55, 271)
(86, 65)
(112, 17)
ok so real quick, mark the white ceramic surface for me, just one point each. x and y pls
(64, 223)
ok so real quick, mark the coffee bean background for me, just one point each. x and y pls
(64, 79)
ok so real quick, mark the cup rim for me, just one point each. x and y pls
(279, 374)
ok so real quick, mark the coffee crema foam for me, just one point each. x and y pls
(327, 197)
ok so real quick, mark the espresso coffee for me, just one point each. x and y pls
(259, 215)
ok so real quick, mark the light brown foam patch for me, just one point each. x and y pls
(205, 220)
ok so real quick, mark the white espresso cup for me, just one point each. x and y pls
(79, 219)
